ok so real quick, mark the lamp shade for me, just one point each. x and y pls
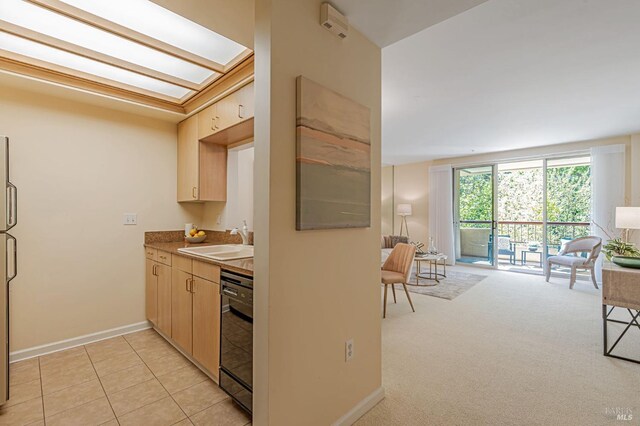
(627, 217)
(404, 209)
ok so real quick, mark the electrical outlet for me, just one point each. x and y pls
(219, 220)
(130, 219)
(348, 350)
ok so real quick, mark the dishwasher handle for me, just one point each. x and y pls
(230, 291)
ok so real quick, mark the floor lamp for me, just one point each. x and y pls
(627, 218)
(404, 210)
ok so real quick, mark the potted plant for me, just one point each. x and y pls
(620, 252)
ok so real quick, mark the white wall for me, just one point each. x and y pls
(78, 168)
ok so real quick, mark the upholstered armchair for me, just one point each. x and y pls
(569, 257)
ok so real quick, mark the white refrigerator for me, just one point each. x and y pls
(8, 262)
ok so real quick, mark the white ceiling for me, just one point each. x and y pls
(512, 74)
(385, 22)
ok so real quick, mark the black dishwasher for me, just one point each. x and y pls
(236, 337)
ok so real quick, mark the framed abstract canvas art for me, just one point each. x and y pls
(333, 159)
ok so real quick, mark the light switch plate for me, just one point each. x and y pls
(130, 219)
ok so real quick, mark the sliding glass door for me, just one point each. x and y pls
(513, 215)
(474, 210)
(520, 235)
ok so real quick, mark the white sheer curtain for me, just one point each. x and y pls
(607, 191)
(441, 210)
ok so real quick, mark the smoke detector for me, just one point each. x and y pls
(333, 20)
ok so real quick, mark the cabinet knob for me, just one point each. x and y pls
(240, 111)
(194, 192)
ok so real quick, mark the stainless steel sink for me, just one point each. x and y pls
(220, 252)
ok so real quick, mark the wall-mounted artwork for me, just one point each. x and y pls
(333, 159)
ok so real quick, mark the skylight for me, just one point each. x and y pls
(69, 60)
(52, 24)
(163, 25)
(137, 47)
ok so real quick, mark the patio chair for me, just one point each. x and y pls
(569, 256)
(505, 246)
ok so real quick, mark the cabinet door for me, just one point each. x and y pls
(164, 299)
(246, 102)
(207, 121)
(188, 164)
(206, 324)
(227, 112)
(181, 309)
(151, 291)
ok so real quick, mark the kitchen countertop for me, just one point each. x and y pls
(241, 266)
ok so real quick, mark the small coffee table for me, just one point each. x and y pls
(433, 274)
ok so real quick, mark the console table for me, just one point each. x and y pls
(620, 290)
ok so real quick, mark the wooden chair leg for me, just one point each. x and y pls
(572, 280)
(593, 277)
(384, 308)
(393, 289)
(548, 271)
(408, 297)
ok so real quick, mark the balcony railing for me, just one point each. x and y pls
(524, 232)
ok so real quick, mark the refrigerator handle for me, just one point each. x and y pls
(15, 257)
(13, 206)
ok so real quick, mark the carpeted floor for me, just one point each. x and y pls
(512, 350)
(449, 288)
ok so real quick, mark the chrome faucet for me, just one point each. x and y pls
(244, 233)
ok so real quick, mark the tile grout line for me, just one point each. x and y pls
(156, 377)
(78, 406)
(227, 397)
(189, 387)
(101, 385)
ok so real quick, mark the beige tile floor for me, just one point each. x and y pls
(136, 379)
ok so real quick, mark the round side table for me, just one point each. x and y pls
(433, 274)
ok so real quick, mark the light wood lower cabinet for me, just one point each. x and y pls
(206, 323)
(164, 299)
(182, 309)
(158, 295)
(151, 291)
(183, 302)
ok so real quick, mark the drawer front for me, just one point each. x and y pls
(164, 257)
(207, 271)
(151, 253)
(182, 263)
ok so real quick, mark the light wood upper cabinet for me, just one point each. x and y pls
(207, 121)
(233, 109)
(206, 324)
(182, 309)
(202, 167)
(151, 291)
(188, 160)
(246, 102)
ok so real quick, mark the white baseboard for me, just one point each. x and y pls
(76, 341)
(361, 408)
